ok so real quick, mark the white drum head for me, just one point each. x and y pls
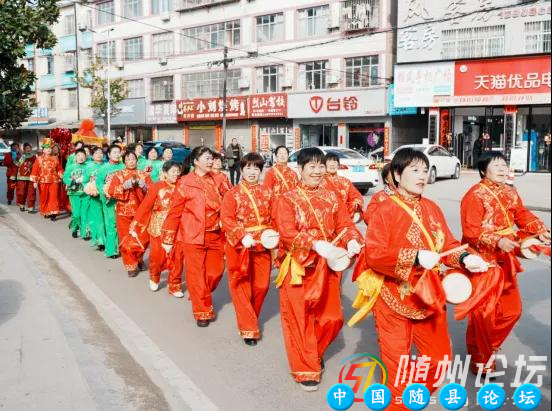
(357, 217)
(270, 239)
(339, 260)
(525, 248)
(458, 288)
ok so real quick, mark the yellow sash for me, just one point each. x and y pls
(418, 222)
(253, 203)
(510, 229)
(281, 177)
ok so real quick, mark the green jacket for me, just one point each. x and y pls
(104, 172)
(73, 178)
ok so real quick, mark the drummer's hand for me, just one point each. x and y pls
(545, 237)
(353, 248)
(167, 247)
(507, 245)
(475, 264)
(322, 248)
(428, 259)
(248, 241)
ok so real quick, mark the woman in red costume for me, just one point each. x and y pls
(280, 178)
(46, 176)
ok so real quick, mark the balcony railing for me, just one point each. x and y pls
(357, 15)
(185, 5)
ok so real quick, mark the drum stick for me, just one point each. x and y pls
(454, 250)
(339, 236)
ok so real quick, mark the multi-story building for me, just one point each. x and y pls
(300, 72)
(479, 71)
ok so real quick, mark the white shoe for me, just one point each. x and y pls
(153, 285)
(178, 294)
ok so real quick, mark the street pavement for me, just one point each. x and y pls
(78, 334)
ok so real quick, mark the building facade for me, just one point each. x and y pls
(477, 74)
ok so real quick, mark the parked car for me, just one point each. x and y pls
(180, 151)
(441, 162)
(4, 149)
(360, 170)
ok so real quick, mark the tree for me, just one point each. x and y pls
(95, 79)
(22, 22)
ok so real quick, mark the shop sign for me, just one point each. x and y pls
(161, 113)
(268, 105)
(39, 116)
(416, 85)
(353, 103)
(279, 130)
(399, 111)
(201, 109)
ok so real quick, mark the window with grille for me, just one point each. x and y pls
(161, 6)
(104, 51)
(210, 84)
(135, 88)
(211, 37)
(133, 48)
(50, 65)
(106, 13)
(537, 37)
(269, 79)
(312, 75)
(50, 100)
(72, 98)
(30, 65)
(359, 14)
(132, 8)
(162, 44)
(473, 42)
(362, 71)
(85, 58)
(314, 21)
(69, 24)
(270, 27)
(70, 61)
(162, 88)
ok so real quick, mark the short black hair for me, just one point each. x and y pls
(331, 156)
(27, 145)
(149, 149)
(403, 158)
(279, 147)
(311, 154)
(80, 150)
(385, 173)
(112, 147)
(486, 159)
(131, 147)
(129, 153)
(217, 156)
(170, 164)
(254, 159)
(12, 145)
(96, 148)
(194, 155)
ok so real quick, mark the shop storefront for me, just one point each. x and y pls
(162, 124)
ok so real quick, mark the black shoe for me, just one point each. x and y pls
(74, 234)
(141, 266)
(53, 217)
(203, 323)
(133, 273)
(22, 209)
(250, 341)
(88, 238)
(101, 248)
(32, 211)
(309, 385)
(322, 365)
(114, 257)
(9, 202)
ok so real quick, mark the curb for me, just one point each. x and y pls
(176, 385)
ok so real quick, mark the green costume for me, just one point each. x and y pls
(142, 163)
(95, 211)
(73, 180)
(108, 207)
(156, 167)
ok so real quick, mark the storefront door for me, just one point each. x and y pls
(318, 135)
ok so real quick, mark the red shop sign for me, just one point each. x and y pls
(268, 105)
(204, 109)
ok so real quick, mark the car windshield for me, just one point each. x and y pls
(346, 154)
(417, 148)
(3, 145)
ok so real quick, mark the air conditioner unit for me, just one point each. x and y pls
(163, 60)
(253, 48)
(166, 17)
(243, 83)
(120, 65)
(333, 79)
(335, 17)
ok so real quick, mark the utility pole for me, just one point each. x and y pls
(225, 63)
(77, 59)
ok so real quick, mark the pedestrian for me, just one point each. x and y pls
(410, 305)
(128, 188)
(25, 191)
(95, 217)
(341, 186)
(309, 218)
(193, 228)
(104, 175)
(281, 178)
(146, 229)
(219, 175)
(10, 161)
(46, 176)
(245, 215)
(153, 165)
(234, 154)
(73, 180)
(489, 211)
(477, 151)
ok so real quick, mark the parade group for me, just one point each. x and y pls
(195, 221)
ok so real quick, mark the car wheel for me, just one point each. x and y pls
(456, 174)
(432, 176)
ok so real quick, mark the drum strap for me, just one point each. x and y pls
(509, 230)
(253, 203)
(281, 176)
(314, 213)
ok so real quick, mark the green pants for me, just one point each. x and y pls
(85, 207)
(76, 213)
(110, 221)
(96, 221)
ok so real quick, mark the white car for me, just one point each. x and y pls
(4, 149)
(362, 172)
(441, 162)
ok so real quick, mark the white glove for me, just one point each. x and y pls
(79, 180)
(142, 184)
(323, 248)
(475, 264)
(428, 259)
(248, 241)
(353, 248)
(127, 185)
(167, 247)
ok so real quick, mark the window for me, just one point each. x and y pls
(85, 58)
(312, 76)
(72, 98)
(210, 84)
(69, 24)
(106, 13)
(70, 61)
(313, 21)
(50, 100)
(30, 65)
(270, 27)
(161, 6)
(133, 48)
(473, 42)
(537, 37)
(163, 44)
(211, 37)
(162, 89)
(50, 65)
(362, 71)
(269, 79)
(132, 8)
(104, 53)
(192, 4)
(135, 88)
